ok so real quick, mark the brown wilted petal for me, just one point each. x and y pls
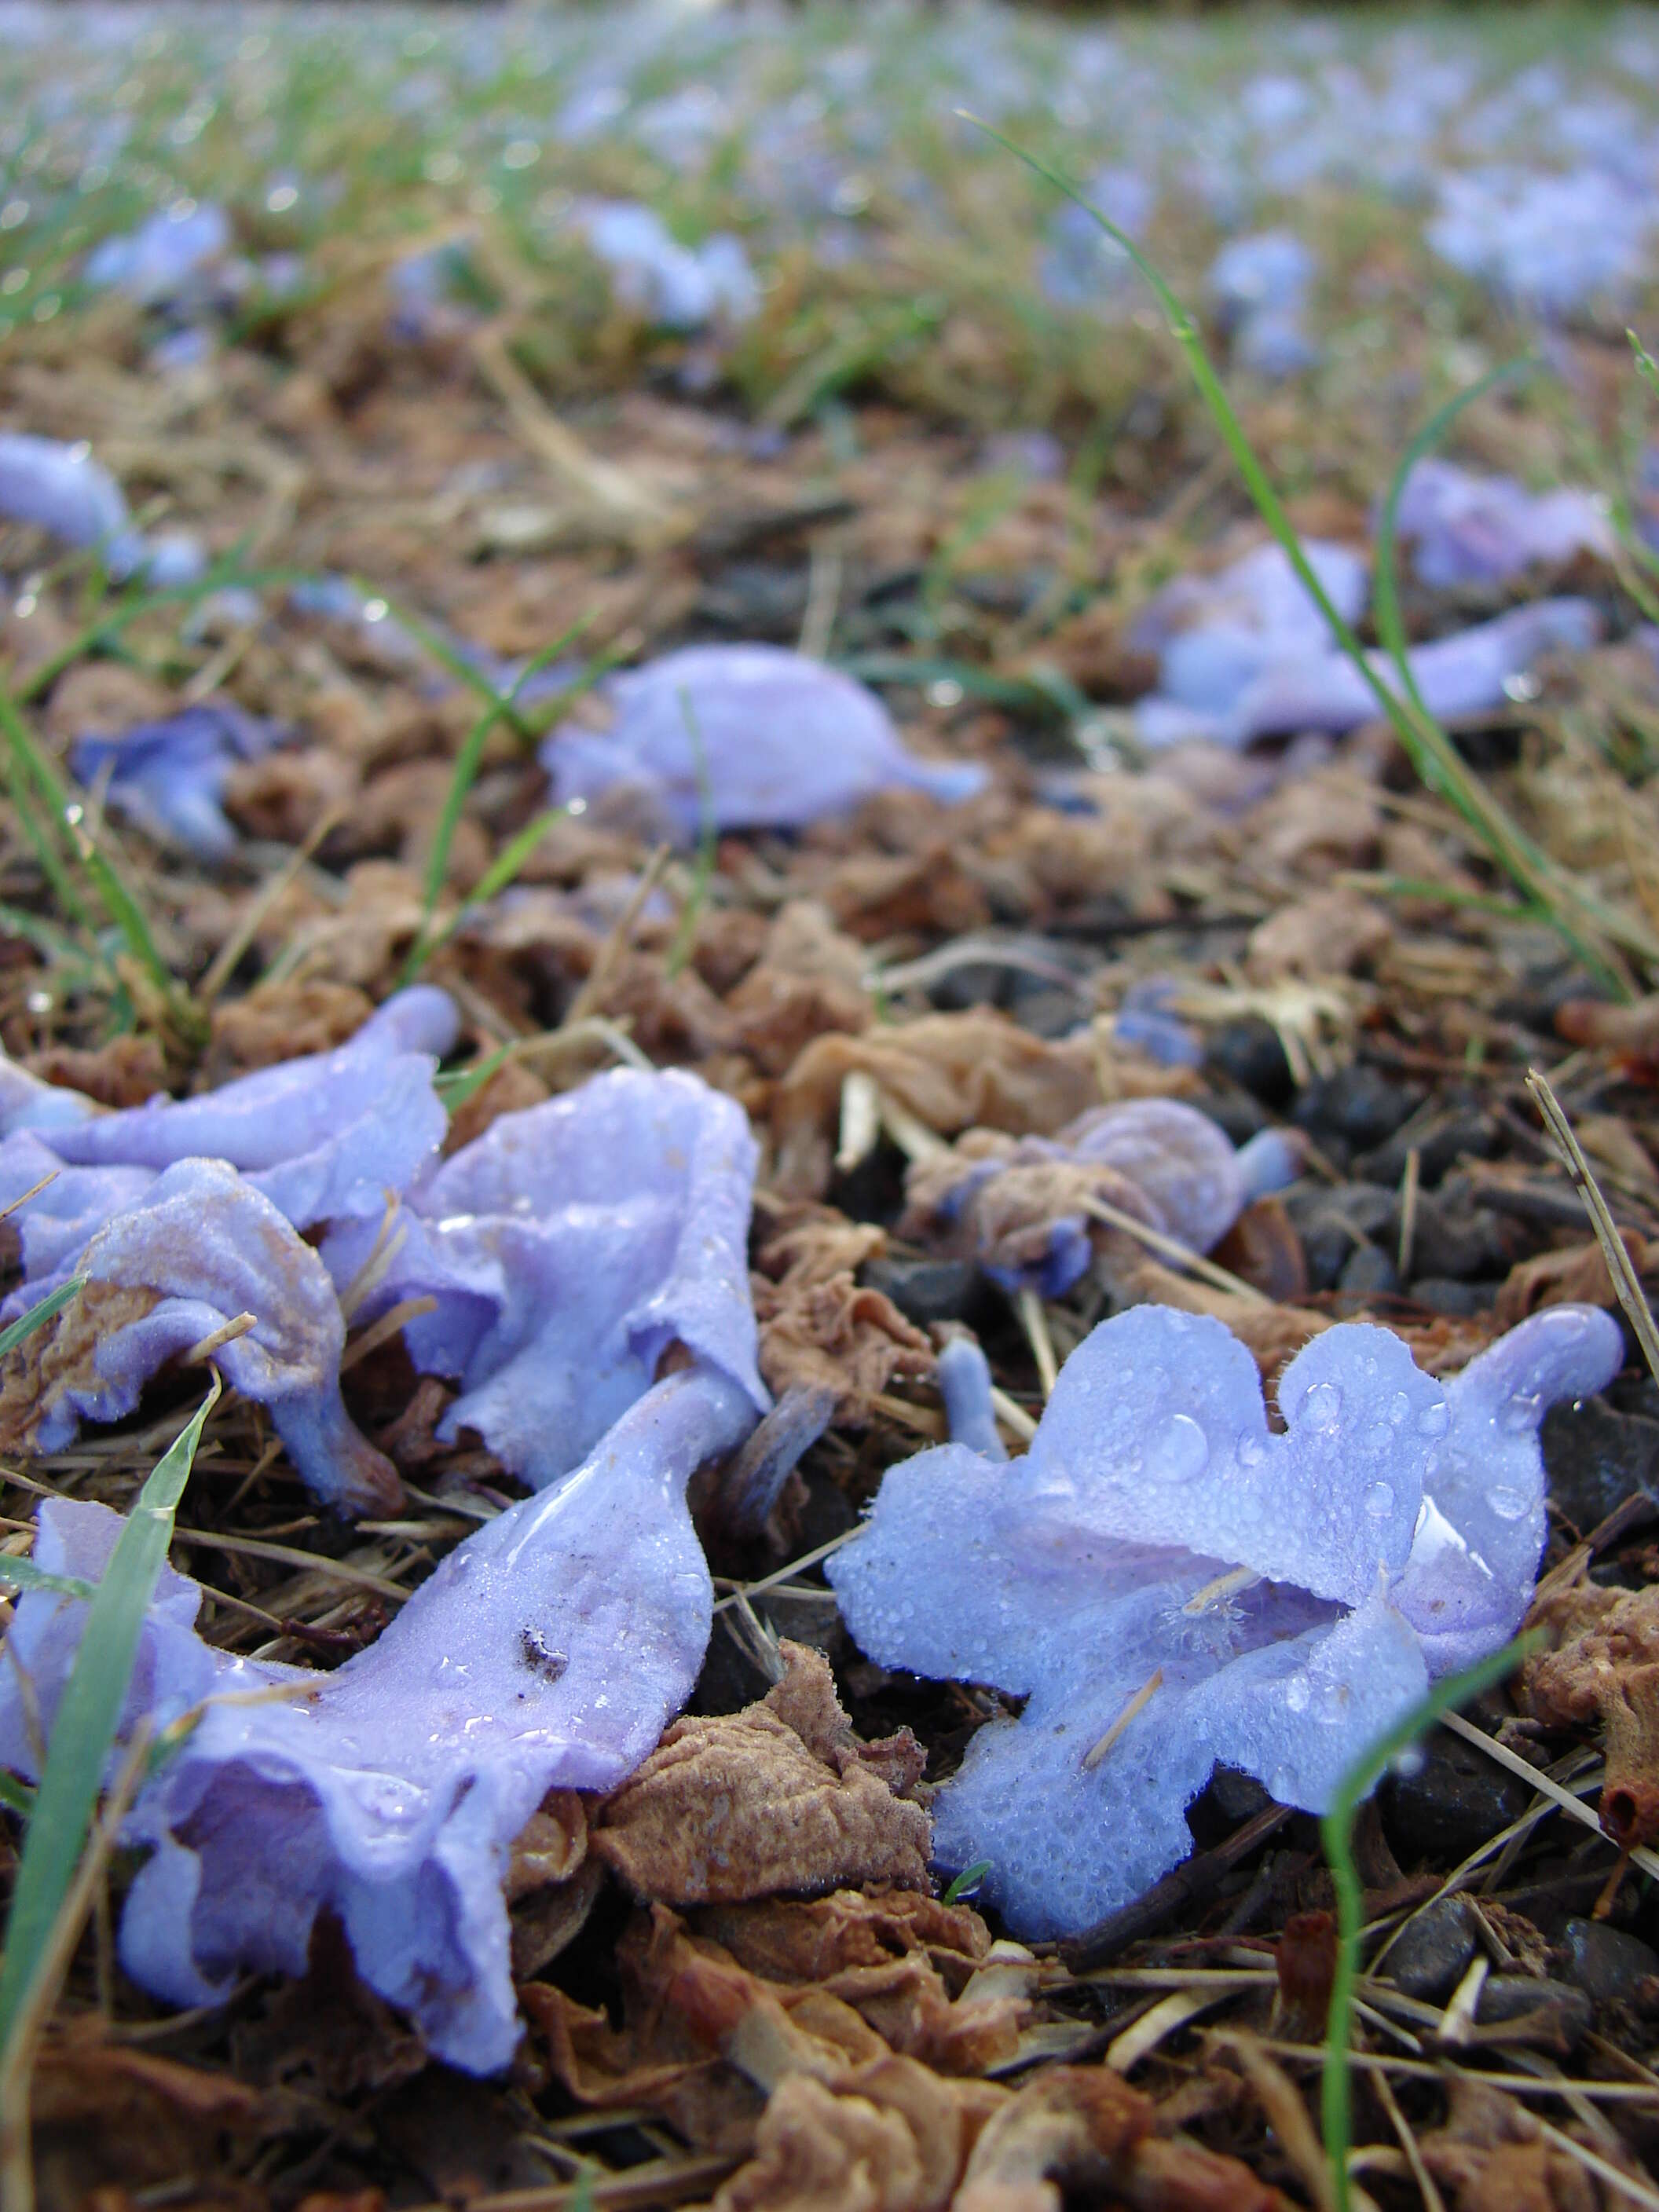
(818, 2151)
(819, 1327)
(950, 1071)
(58, 1357)
(1576, 1276)
(1605, 1668)
(1273, 1334)
(1492, 2158)
(549, 1847)
(280, 1021)
(125, 1072)
(1329, 933)
(741, 1805)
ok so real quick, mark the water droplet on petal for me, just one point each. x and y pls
(1323, 1406)
(1379, 1500)
(1179, 1450)
(1506, 1504)
(1434, 1420)
(1295, 1693)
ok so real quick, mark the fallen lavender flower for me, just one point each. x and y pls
(682, 288)
(569, 1249)
(1467, 529)
(547, 1652)
(1170, 1585)
(169, 776)
(1212, 692)
(1020, 1207)
(165, 256)
(325, 1137)
(62, 489)
(1260, 285)
(749, 736)
(194, 1250)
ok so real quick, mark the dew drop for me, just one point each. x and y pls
(1295, 1693)
(1323, 1406)
(1408, 1762)
(1178, 1451)
(1434, 1420)
(1506, 1504)
(1379, 1500)
(1252, 1450)
(1519, 1415)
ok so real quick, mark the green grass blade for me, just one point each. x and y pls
(457, 1084)
(23, 1575)
(1336, 1832)
(40, 1313)
(501, 872)
(502, 707)
(1386, 592)
(1646, 367)
(89, 1714)
(36, 766)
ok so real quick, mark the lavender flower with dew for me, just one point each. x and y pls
(547, 1652)
(1170, 1584)
(568, 1250)
(752, 736)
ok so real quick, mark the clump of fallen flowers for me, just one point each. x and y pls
(1168, 1583)
(1028, 1208)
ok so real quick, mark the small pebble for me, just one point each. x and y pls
(1545, 2015)
(928, 1290)
(1455, 1801)
(1604, 1962)
(1358, 1105)
(1369, 1272)
(1433, 1951)
(1596, 1458)
(1251, 1054)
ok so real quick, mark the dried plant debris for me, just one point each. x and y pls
(1168, 1583)
(622, 681)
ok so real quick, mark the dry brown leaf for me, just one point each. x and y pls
(1577, 1275)
(279, 1021)
(951, 1071)
(819, 1327)
(780, 1797)
(125, 1072)
(1330, 933)
(1491, 2157)
(1604, 1667)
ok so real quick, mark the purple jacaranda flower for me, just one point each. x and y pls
(325, 1137)
(1020, 1205)
(195, 1249)
(169, 776)
(747, 736)
(1464, 529)
(169, 253)
(1170, 1585)
(547, 1652)
(682, 288)
(569, 1249)
(61, 488)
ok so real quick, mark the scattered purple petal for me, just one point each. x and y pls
(776, 740)
(168, 777)
(1170, 1585)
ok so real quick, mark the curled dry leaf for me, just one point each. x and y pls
(1273, 1333)
(950, 1071)
(1492, 2157)
(780, 1797)
(819, 1327)
(125, 1072)
(1604, 1667)
(1576, 1276)
(275, 1022)
(1327, 933)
